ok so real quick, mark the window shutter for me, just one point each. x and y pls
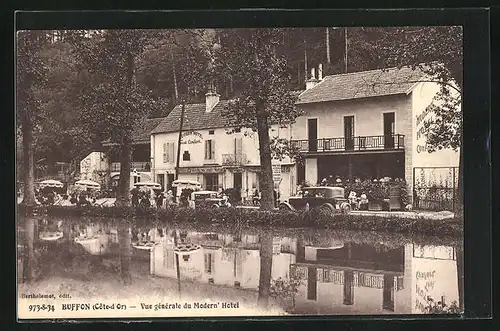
(212, 156)
(205, 256)
(206, 149)
(239, 145)
(165, 156)
(172, 152)
(212, 261)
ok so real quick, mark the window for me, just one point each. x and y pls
(210, 149)
(209, 263)
(212, 182)
(186, 156)
(211, 132)
(169, 152)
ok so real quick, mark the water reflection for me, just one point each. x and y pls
(309, 272)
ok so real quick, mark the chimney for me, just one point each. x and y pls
(310, 83)
(211, 100)
(320, 72)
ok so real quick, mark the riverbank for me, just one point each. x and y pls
(402, 222)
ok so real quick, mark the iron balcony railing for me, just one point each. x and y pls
(234, 159)
(140, 166)
(360, 143)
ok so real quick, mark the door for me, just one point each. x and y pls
(349, 132)
(238, 180)
(161, 180)
(211, 182)
(301, 173)
(312, 132)
(389, 126)
(170, 179)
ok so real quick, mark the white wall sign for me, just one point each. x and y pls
(191, 137)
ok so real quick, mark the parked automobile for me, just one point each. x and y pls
(208, 199)
(325, 199)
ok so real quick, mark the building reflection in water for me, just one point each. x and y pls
(339, 278)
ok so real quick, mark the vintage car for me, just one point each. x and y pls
(325, 199)
(208, 199)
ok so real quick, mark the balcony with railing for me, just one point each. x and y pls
(140, 166)
(234, 159)
(352, 144)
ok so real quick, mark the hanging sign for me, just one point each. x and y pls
(276, 172)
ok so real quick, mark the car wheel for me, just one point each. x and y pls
(215, 206)
(345, 207)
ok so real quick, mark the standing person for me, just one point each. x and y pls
(256, 197)
(159, 200)
(331, 181)
(169, 198)
(135, 196)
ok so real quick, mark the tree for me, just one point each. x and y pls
(112, 103)
(438, 53)
(256, 61)
(31, 76)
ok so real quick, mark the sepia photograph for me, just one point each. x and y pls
(216, 172)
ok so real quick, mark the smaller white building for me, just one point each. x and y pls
(94, 167)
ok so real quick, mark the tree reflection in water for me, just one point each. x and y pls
(125, 244)
(266, 264)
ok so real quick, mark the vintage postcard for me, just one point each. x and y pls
(239, 172)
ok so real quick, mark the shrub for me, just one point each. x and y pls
(234, 218)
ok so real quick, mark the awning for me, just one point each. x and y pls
(201, 170)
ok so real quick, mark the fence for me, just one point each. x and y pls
(435, 188)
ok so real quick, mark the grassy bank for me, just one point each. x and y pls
(245, 218)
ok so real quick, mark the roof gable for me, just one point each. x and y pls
(363, 84)
(195, 118)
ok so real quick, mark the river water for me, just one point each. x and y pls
(299, 271)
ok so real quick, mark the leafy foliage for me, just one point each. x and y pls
(438, 307)
(252, 58)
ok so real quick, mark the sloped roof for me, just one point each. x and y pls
(142, 131)
(363, 84)
(195, 118)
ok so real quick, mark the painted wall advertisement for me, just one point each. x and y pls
(434, 274)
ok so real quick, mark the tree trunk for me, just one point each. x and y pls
(29, 256)
(29, 167)
(123, 198)
(266, 177)
(176, 91)
(266, 264)
(125, 243)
